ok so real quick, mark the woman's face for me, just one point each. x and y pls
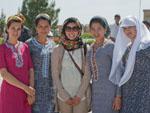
(130, 32)
(97, 30)
(14, 30)
(43, 28)
(72, 31)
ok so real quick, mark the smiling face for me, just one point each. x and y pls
(97, 30)
(72, 31)
(130, 32)
(43, 28)
(14, 30)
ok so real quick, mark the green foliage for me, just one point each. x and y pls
(1, 40)
(31, 8)
(87, 38)
(2, 22)
(2, 25)
(89, 41)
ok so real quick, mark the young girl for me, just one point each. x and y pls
(131, 65)
(17, 90)
(105, 95)
(41, 48)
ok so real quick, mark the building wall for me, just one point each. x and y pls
(146, 14)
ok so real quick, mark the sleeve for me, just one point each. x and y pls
(118, 91)
(110, 49)
(30, 64)
(56, 68)
(2, 58)
(85, 82)
(120, 70)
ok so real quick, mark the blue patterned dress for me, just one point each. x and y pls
(103, 90)
(136, 92)
(41, 57)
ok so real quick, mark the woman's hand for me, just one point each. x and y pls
(30, 99)
(76, 100)
(117, 103)
(29, 90)
(69, 102)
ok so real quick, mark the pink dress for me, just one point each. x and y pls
(17, 61)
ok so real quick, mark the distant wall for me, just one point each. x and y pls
(146, 14)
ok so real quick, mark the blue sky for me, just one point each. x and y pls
(86, 9)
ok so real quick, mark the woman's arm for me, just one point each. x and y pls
(31, 73)
(117, 100)
(31, 99)
(13, 81)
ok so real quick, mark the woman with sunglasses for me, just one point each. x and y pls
(68, 60)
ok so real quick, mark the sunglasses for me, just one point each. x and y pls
(68, 28)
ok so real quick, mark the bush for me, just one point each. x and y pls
(86, 36)
(89, 41)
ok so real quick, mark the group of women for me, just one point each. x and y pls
(41, 77)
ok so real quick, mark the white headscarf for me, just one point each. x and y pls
(142, 41)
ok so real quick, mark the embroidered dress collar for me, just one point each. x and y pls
(45, 53)
(36, 43)
(95, 48)
(16, 50)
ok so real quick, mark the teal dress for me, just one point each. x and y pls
(41, 57)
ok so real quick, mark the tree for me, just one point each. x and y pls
(31, 8)
(2, 22)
